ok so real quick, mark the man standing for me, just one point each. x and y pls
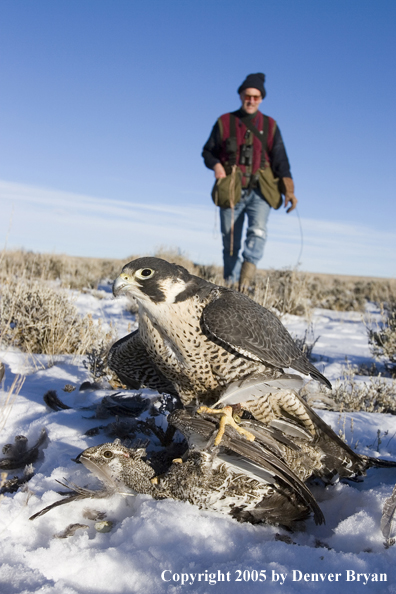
(246, 151)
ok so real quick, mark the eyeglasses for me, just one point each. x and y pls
(252, 97)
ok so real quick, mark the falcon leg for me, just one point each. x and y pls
(292, 405)
(226, 419)
(276, 404)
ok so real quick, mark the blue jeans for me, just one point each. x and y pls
(257, 209)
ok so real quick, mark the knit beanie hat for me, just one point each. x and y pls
(254, 81)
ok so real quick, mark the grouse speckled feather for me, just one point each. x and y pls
(253, 481)
(247, 481)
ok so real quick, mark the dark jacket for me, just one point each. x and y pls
(213, 150)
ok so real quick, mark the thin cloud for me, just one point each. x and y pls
(47, 220)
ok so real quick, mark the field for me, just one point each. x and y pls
(57, 320)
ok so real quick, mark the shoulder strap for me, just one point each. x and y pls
(232, 125)
(264, 140)
(231, 141)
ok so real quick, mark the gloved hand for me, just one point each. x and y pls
(288, 184)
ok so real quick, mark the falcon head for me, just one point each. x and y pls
(152, 280)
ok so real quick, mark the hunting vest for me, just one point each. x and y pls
(230, 127)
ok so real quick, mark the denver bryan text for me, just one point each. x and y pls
(349, 576)
(240, 575)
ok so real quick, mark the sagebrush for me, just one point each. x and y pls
(382, 338)
(37, 318)
(73, 272)
(350, 395)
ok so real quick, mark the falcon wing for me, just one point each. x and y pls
(129, 359)
(255, 332)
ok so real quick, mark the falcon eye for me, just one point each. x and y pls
(144, 273)
(107, 454)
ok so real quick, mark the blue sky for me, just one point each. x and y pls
(110, 102)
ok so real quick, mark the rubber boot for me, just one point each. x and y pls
(248, 272)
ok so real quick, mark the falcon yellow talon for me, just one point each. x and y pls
(226, 419)
(177, 461)
(204, 409)
(156, 479)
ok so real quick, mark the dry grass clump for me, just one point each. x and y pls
(348, 293)
(8, 398)
(284, 291)
(307, 342)
(336, 295)
(349, 395)
(382, 339)
(38, 319)
(96, 364)
(73, 272)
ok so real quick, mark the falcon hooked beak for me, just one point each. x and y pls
(123, 284)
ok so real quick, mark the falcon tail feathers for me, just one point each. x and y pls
(320, 378)
(304, 366)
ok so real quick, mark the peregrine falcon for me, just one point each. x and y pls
(202, 341)
(199, 337)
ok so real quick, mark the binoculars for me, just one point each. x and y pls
(246, 155)
(246, 152)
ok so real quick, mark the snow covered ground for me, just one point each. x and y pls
(167, 546)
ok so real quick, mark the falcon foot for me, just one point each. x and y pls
(226, 419)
